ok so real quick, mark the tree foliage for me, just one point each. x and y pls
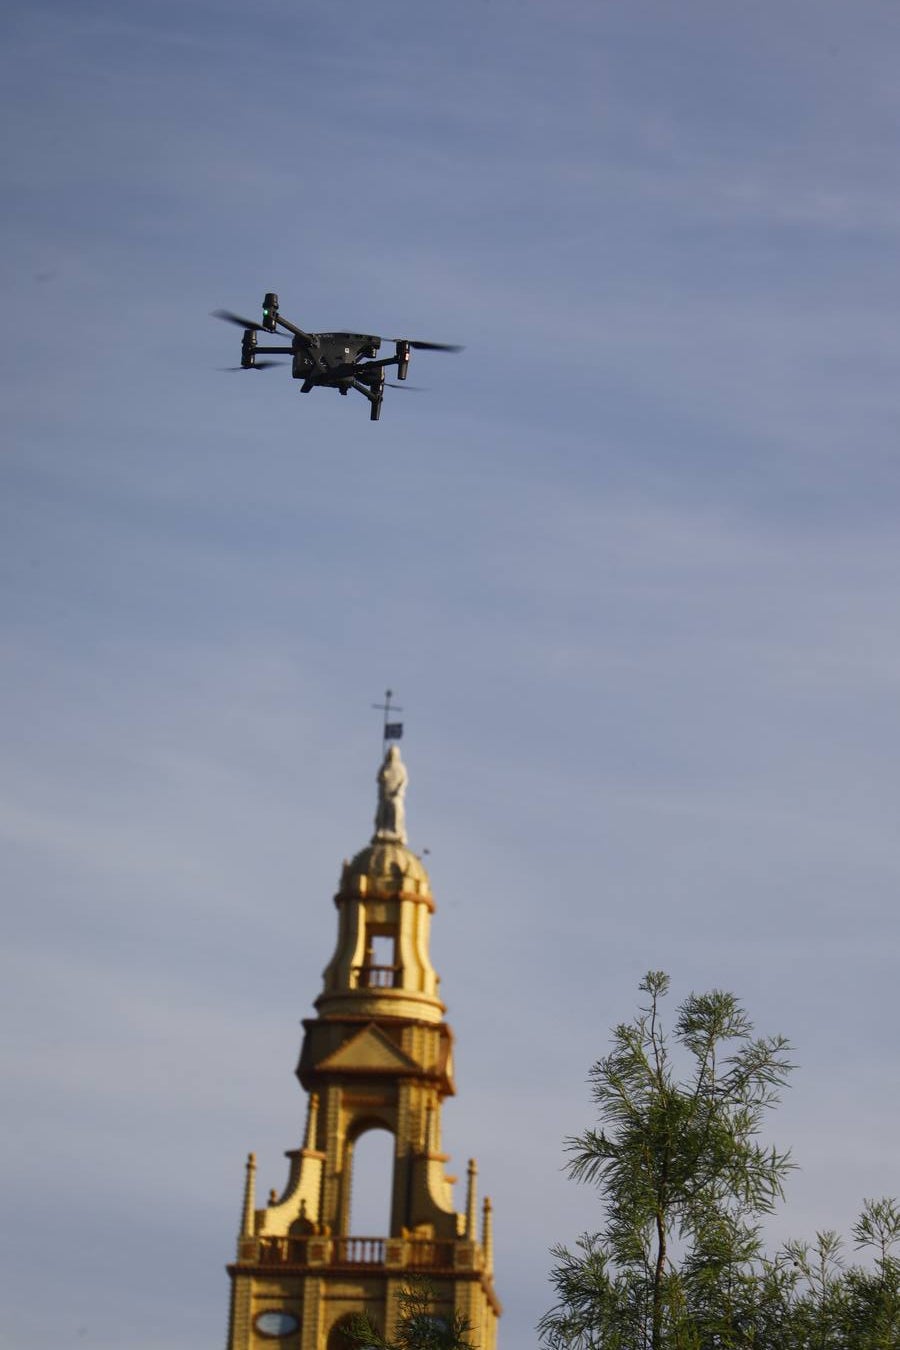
(419, 1327)
(685, 1181)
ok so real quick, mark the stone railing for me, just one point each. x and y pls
(316, 1250)
(358, 1251)
(378, 977)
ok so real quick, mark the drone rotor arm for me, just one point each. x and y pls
(379, 364)
(309, 338)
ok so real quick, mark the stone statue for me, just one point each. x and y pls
(390, 818)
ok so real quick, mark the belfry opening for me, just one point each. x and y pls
(376, 1057)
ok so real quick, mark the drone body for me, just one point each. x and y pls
(341, 361)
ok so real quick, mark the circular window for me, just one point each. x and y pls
(276, 1323)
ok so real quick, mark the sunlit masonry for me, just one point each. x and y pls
(377, 1055)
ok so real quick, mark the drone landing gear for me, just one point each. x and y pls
(376, 397)
(370, 384)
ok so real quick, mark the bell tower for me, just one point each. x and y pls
(377, 1055)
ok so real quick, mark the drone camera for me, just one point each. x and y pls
(248, 348)
(402, 360)
(270, 311)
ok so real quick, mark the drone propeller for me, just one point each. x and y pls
(410, 388)
(257, 365)
(429, 346)
(229, 317)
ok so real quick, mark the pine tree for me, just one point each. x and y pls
(419, 1327)
(683, 1177)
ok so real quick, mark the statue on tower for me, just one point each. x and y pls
(390, 818)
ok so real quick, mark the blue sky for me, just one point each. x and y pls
(630, 562)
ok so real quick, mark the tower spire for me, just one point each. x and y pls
(471, 1203)
(487, 1235)
(249, 1197)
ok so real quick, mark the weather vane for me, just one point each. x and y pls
(393, 731)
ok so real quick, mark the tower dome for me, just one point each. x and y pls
(385, 868)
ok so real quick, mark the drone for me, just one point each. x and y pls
(341, 361)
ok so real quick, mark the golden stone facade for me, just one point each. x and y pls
(377, 1055)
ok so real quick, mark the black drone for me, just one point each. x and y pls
(341, 361)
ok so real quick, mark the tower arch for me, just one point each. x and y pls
(371, 1164)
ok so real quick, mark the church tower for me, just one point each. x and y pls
(377, 1055)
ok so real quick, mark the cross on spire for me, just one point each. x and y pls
(392, 731)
